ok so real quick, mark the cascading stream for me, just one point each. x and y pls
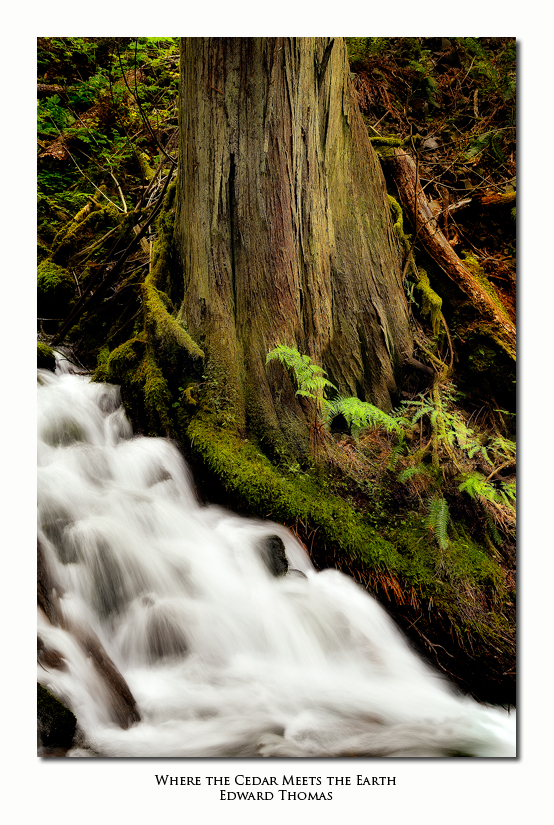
(168, 635)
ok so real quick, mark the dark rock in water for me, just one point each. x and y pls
(49, 659)
(122, 702)
(56, 724)
(298, 573)
(47, 597)
(274, 556)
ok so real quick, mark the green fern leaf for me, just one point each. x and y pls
(409, 472)
(438, 519)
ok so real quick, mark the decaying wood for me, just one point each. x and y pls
(495, 199)
(414, 202)
(89, 297)
(45, 89)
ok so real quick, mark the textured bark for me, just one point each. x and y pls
(282, 224)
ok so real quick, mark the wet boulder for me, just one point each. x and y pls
(274, 556)
(56, 724)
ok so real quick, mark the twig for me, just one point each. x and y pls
(120, 192)
(85, 301)
(82, 173)
(508, 463)
(137, 101)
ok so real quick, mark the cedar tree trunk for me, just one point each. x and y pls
(283, 228)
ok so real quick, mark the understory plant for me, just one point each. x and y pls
(434, 450)
(312, 383)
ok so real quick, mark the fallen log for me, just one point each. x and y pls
(402, 169)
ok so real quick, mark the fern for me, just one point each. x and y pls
(438, 519)
(493, 530)
(310, 378)
(503, 447)
(396, 452)
(477, 486)
(360, 414)
(409, 472)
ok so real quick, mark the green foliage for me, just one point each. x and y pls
(476, 485)
(503, 448)
(453, 430)
(51, 117)
(490, 141)
(311, 382)
(437, 520)
(310, 378)
(359, 48)
(492, 64)
(410, 472)
(360, 414)
(107, 149)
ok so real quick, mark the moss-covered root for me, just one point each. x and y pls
(165, 327)
(56, 724)
(431, 302)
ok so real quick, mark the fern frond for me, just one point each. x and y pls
(493, 530)
(409, 472)
(504, 447)
(395, 454)
(360, 414)
(438, 519)
(310, 378)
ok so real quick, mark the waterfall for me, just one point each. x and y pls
(163, 626)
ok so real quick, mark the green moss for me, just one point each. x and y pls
(43, 251)
(398, 225)
(431, 302)
(45, 357)
(144, 163)
(55, 289)
(164, 326)
(379, 140)
(255, 484)
(134, 365)
(88, 220)
(124, 358)
(157, 396)
(471, 263)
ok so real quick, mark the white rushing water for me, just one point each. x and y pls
(222, 658)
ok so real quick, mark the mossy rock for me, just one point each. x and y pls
(45, 357)
(56, 724)
(55, 290)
